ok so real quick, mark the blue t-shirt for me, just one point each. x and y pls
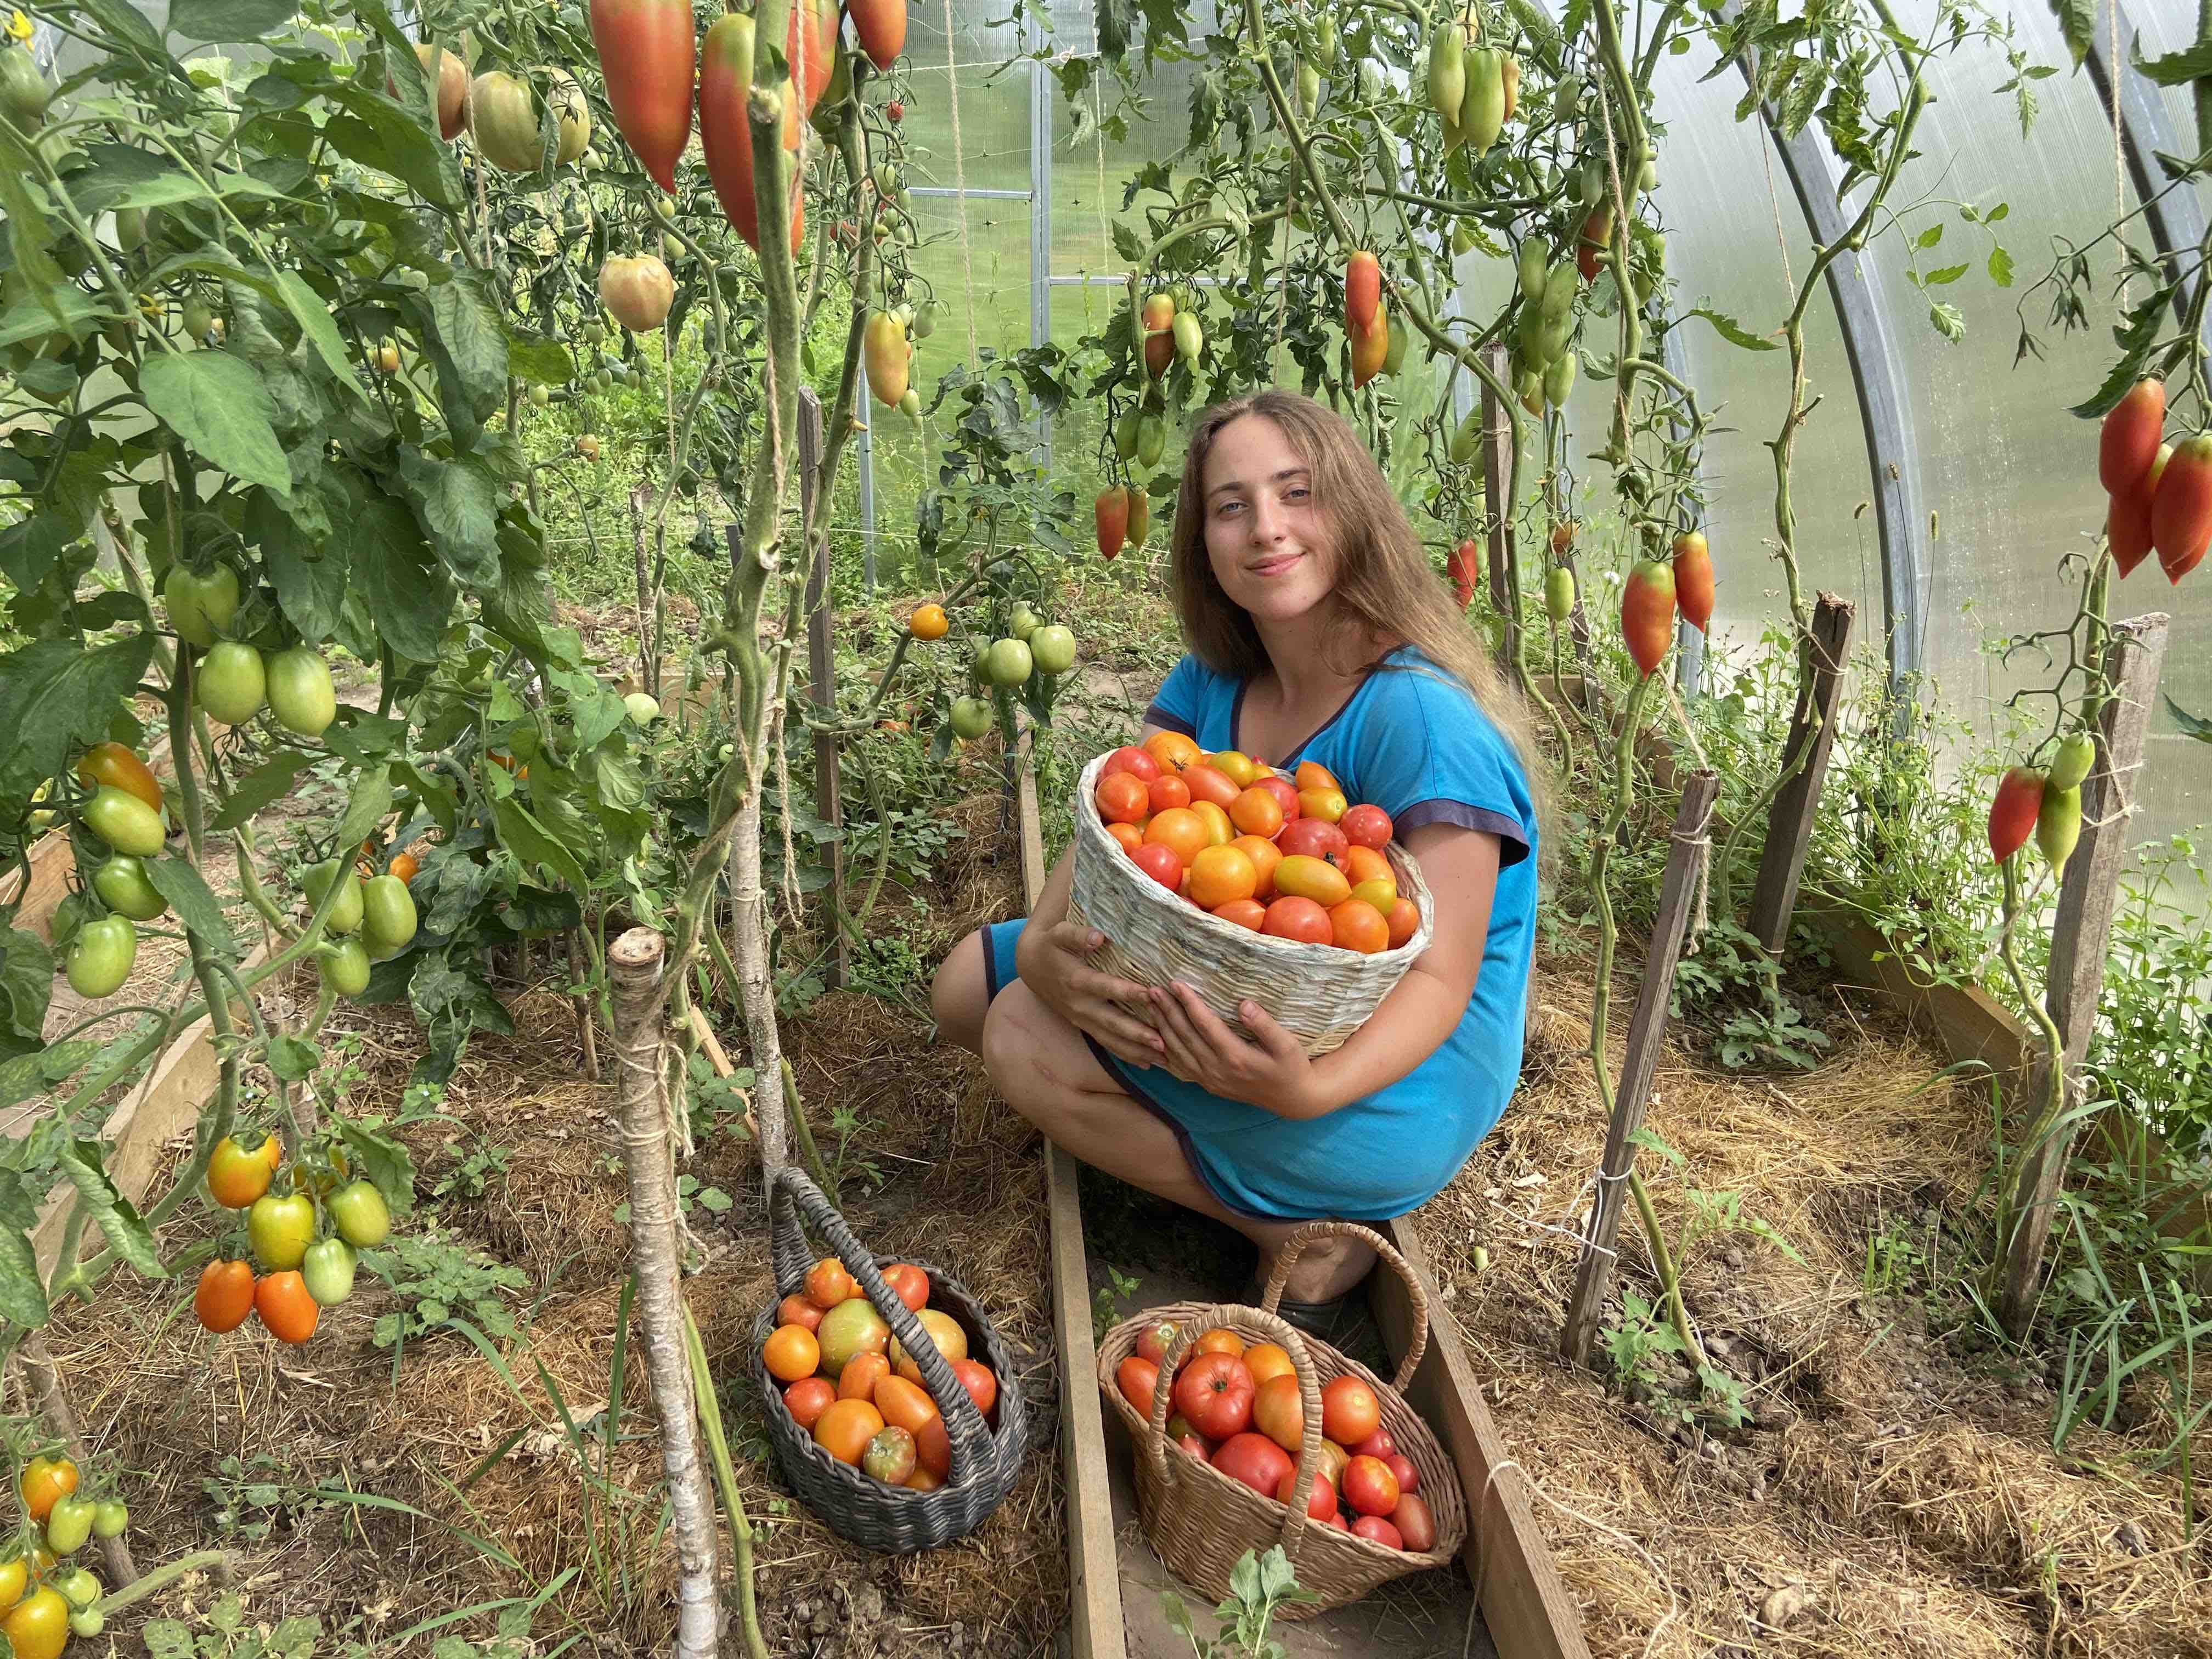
(1412, 741)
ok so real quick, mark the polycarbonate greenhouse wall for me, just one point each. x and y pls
(2003, 476)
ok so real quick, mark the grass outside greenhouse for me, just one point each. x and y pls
(516, 675)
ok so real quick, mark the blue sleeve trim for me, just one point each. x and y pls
(1168, 721)
(1512, 837)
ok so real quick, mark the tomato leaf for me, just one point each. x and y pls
(408, 593)
(468, 345)
(26, 984)
(312, 312)
(533, 845)
(2175, 69)
(117, 1218)
(58, 695)
(1731, 330)
(201, 912)
(310, 577)
(31, 547)
(371, 799)
(545, 362)
(35, 1073)
(272, 778)
(458, 501)
(292, 1058)
(22, 1293)
(2190, 724)
(218, 405)
(227, 20)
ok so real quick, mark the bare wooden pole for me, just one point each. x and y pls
(1497, 485)
(634, 967)
(1821, 655)
(587, 1025)
(648, 669)
(1647, 1030)
(2080, 932)
(44, 1381)
(821, 674)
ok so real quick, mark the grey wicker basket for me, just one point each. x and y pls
(985, 1462)
(1318, 993)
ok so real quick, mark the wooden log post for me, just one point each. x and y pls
(2088, 893)
(1497, 485)
(634, 969)
(1821, 655)
(822, 675)
(1647, 1028)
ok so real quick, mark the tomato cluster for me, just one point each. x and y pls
(1237, 1408)
(847, 1383)
(301, 1274)
(380, 910)
(1030, 645)
(44, 1597)
(1286, 856)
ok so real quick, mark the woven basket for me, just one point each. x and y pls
(1199, 1521)
(1319, 993)
(891, 1519)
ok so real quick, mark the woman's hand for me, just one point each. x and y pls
(1272, 1072)
(1055, 963)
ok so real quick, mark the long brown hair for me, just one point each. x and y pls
(1386, 591)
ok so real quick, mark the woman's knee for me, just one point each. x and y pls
(1009, 1041)
(960, 995)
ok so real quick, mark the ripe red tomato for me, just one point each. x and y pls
(796, 1309)
(1134, 760)
(1161, 864)
(1381, 1531)
(1209, 783)
(1339, 1522)
(1285, 792)
(224, 1296)
(1295, 918)
(1122, 798)
(1138, 1379)
(1168, 792)
(828, 1283)
(808, 1398)
(909, 1284)
(1321, 1502)
(1152, 1343)
(1369, 1487)
(1366, 825)
(983, 1386)
(1315, 837)
(1256, 1460)
(1377, 1444)
(1409, 1478)
(1215, 1393)
(1415, 1525)
(1349, 1411)
(1196, 1445)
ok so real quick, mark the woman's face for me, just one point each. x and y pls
(1265, 537)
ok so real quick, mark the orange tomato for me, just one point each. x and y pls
(1349, 1411)
(828, 1283)
(1365, 864)
(1267, 1359)
(1221, 875)
(1238, 767)
(1294, 918)
(1181, 830)
(796, 1309)
(1137, 1379)
(791, 1352)
(1265, 856)
(405, 865)
(1169, 791)
(845, 1428)
(904, 1405)
(1122, 798)
(286, 1309)
(928, 621)
(1333, 1457)
(1356, 925)
(1245, 913)
(1226, 1342)
(1219, 829)
(1318, 879)
(1208, 783)
(1405, 919)
(1326, 805)
(1312, 774)
(1257, 812)
(861, 1373)
(1173, 750)
(808, 1398)
(922, 1480)
(1277, 1413)
(1127, 835)
(1381, 893)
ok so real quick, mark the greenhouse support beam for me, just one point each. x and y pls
(1689, 642)
(2177, 219)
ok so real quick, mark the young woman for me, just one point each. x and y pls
(1318, 631)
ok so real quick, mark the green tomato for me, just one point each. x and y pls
(281, 1229)
(540, 396)
(110, 1518)
(1054, 649)
(123, 888)
(100, 956)
(2071, 764)
(971, 718)
(88, 1622)
(388, 919)
(69, 1523)
(1009, 662)
(644, 708)
(360, 1215)
(328, 1268)
(344, 968)
(346, 914)
(300, 693)
(1558, 592)
(125, 822)
(200, 607)
(79, 1587)
(232, 682)
(1025, 621)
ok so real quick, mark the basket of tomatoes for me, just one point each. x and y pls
(1232, 1413)
(1222, 873)
(892, 1402)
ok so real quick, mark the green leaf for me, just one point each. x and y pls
(1731, 330)
(2176, 68)
(125, 20)
(544, 361)
(218, 405)
(2191, 726)
(320, 329)
(458, 501)
(196, 907)
(22, 1293)
(1948, 321)
(1650, 1140)
(118, 1219)
(2001, 266)
(29, 319)
(1930, 236)
(227, 20)
(371, 801)
(35, 1073)
(31, 547)
(1938, 277)
(293, 1058)
(532, 845)
(468, 333)
(408, 591)
(272, 778)
(26, 984)
(381, 136)
(58, 695)
(310, 577)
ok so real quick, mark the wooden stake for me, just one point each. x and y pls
(821, 674)
(586, 1025)
(1647, 1027)
(1812, 733)
(649, 671)
(634, 966)
(1497, 481)
(2088, 894)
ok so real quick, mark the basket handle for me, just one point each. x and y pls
(1295, 1246)
(1281, 1331)
(789, 1192)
